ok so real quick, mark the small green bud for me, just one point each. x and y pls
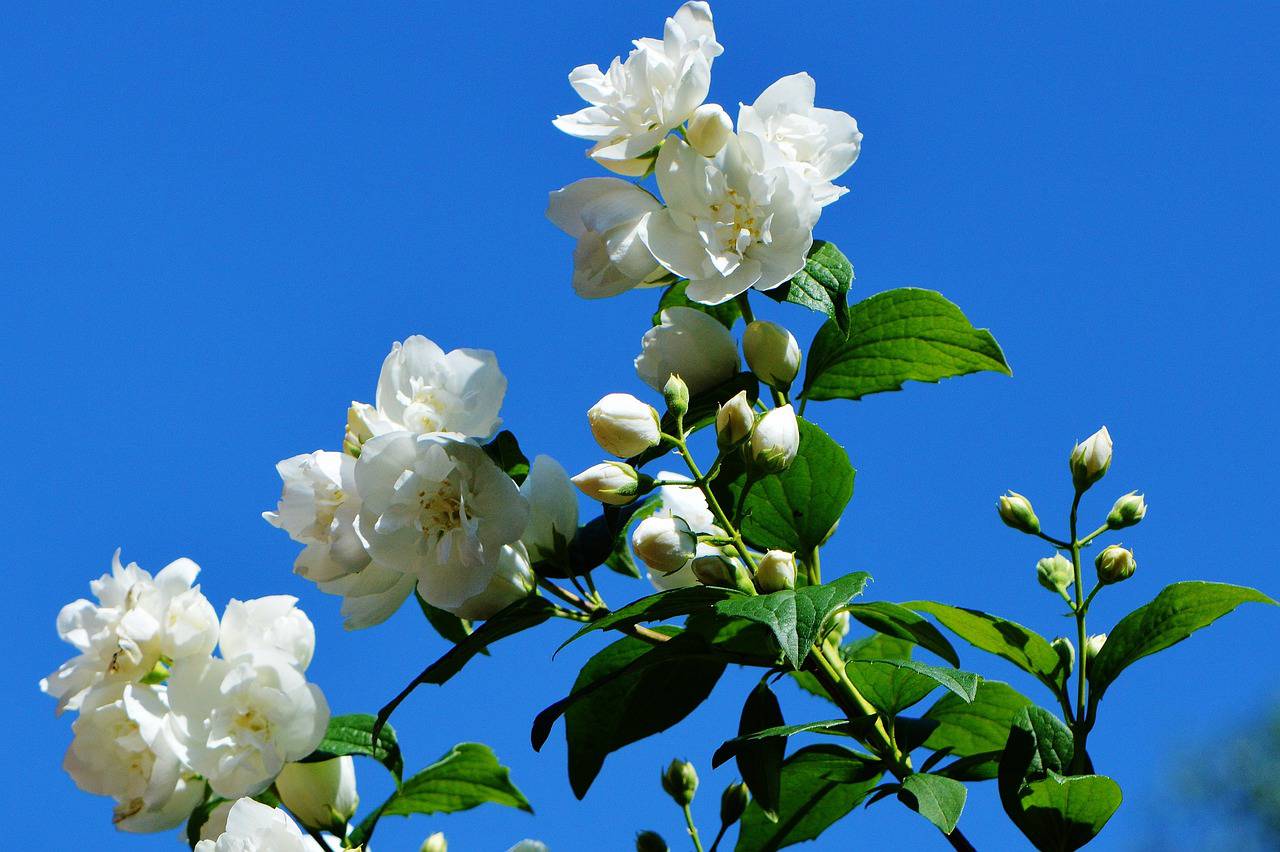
(650, 841)
(680, 781)
(1015, 510)
(1094, 646)
(733, 802)
(1091, 459)
(1127, 511)
(777, 571)
(1066, 653)
(435, 843)
(714, 570)
(1056, 573)
(1115, 564)
(677, 395)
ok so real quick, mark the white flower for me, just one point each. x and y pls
(687, 503)
(272, 623)
(783, 127)
(371, 595)
(553, 509)
(438, 509)
(636, 103)
(776, 440)
(364, 421)
(611, 482)
(709, 129)
(137, 620)
(122, 749)
(238, 722)
(604, 215)
(424, 389)
(772, 353)
(690, 343)
(512, 580)
(254, 827)
(321, 794)
(665, 544)
(731, 223)
(319, 508)
(777, 571)
(623, 425)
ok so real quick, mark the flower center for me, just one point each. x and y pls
(440, 509)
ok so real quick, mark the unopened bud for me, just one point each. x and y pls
(680, 781)
(322, 795)
(775, 441)
(676, 393)
(1114, 564)
(665, 544)
(435, 843)
(709, 128)
(650, 841)
(1091, 459)
(733, 802)
(777, 571)
(1093, 646)
(624, 426)
(1127, 511)
(1015, 510)
(839, 628)
(1056, 573)
(772, 353)
(734, 421)
(714, 570)
(1066, 653)
(614, 483)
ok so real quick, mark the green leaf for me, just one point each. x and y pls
(657, 607)
(901, 623)
(701, 413)
(1021, 646)
(975, 728)
(199, 817)
(726, 313)
(468, 776)
(735, 636)
(794, 510)
(964, 684)
(504, 449)
(760, 760)
(937, 799)
(1173, 615)
(822, 285)
(875, 647)
(820, 785)
(448, 625)
(796, 616)
(730, 748)
(889, 688)
(1061, 814)
(893, 337)
(354, 734)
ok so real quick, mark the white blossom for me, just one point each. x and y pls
(512, 580)
(122, 749)
(137, 620)
(690, 343)
(319, 508)
(237, 722)
(604, 215)
(321, 794)
(437, 509)
(776, 440)
(255, 827)
(610, 482)
(624, 426)
(272, 623)
(731, 223)
(553, 509)
(423, 389)
(637, 102)
(689, 504)
(783, 127)
(709, 129)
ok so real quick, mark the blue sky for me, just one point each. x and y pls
(216, 220)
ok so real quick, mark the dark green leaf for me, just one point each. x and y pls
(900, 622)
(726, 313)
(822, 285)
(890, 689)
(893, 337)
(875, 647)
(760, 760)
(820, 784)
(735, 636)
(796, 616)
(979, 727)
(961, 683)
(448, 625)
(657, 607)
(702, 412)
(1061, 814)
(504, 449)
(1178, 611)
(937, 799)
(730, 748)
(1021, 646)
(354, 734)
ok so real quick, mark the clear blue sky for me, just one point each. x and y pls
(215, 222)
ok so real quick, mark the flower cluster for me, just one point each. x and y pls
(738, 205)
(414, 501)
(159, 716)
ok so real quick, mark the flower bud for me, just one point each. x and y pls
(772, 353)
(435, 843)
(615, 483)
(838, 629)
(709, 128)
(676, 392)
(1015, 510)
(775, 441)
(1056, 573)
(713, 570)
(1091, 459)
(322, 795)
(733, 802)
(665, 544)
(1066, 653)
(624, 426)
(680, 781)
(734, 421)
(777, 571)
(1127, 511)
(1114, 564)
(1094, 646)
(650, 841)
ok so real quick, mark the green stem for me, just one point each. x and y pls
(712, 503)
(815, 568)
(744, 305)
(693, 829)
(715, 844)
(1061, 545)
(1079, 728)
(1087, 540)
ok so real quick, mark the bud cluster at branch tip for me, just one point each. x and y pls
(1091, 459)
